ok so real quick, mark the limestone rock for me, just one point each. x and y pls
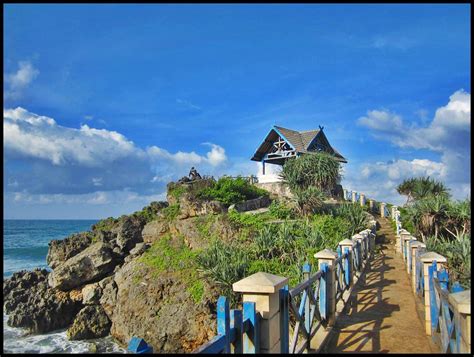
(33, 305)
(61, 250)
(162, 312)
(90, 265)
(154, 230)
(91, 294)
(90, 322)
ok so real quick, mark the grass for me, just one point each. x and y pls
(173, 256)
(171, 212)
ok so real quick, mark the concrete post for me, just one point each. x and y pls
(405, 239)
(328, 256)
(394, 210)
(345, 194)
(461, 303)
(382, 209)
(371, 205)
(359, 237)
(263, 290)
(414, 247)
(354, 193)
(399, 241)
(427, 260)
(362, 199)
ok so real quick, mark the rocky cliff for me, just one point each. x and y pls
(103, 282)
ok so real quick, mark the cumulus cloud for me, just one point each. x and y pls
(448, 134)
(63, 160)
(379, 180)
(20, 80)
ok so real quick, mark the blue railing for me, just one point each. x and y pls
(237, 331)
(308, 305)
(445, 325)
(446, 330)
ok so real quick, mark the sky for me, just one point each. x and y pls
(105, 104)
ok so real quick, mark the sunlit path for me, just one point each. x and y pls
(382, 317)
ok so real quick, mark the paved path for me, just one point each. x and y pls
(382, 317)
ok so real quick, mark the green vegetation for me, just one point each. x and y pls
(280, 210)
(354, 214)
(417, 188)
(319, 170)
(177, 191)
(230, 191)
(310, 178)
(167, 255)
(171, 212)
(442, 223)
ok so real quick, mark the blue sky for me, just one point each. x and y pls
(136, 94)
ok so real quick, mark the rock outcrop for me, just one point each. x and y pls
(162, 312)
(61, 250)
(92, 264)
(90, 322)
(33, 305)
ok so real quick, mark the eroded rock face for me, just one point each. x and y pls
(129, 233)
(33, 305)
(162, 312)
(154, 230)
(90, 322)
(92, 264)
(61, 250)
(190, 207)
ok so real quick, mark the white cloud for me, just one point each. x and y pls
(448, 134)
(69, 161)
(19, 80)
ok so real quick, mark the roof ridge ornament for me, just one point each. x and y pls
(321, 127)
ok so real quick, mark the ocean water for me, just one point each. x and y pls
(25, 246)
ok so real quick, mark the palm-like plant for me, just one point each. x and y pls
(421, 187)
(307, 200)
(320, 170)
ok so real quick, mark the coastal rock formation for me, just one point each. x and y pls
(190, 207)
(129, 232)
(92, 264)
(162, 312)
(90, 322)
(61, 250)
(33, 305)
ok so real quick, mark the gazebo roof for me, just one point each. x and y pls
(301, 141)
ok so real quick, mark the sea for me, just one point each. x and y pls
(25, 246)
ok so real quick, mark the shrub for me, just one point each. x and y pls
(230, 191)
(280, 210)
(308, 200)
(171, 212)
(354, 214)
(224, 264)
(319, 170)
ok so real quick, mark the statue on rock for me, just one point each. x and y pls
(194, 175)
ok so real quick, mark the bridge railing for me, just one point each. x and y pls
(446, 303)
(277, 319)
(447, 306)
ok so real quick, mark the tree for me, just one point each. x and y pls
(418, 188)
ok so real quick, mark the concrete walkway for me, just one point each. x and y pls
(382, 317)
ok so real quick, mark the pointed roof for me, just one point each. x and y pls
(300, 141)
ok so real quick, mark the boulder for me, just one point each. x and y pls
(90, 322)
(61, 250)
(129, 232)
(91, 294)
(33, 305)
(90, 265)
